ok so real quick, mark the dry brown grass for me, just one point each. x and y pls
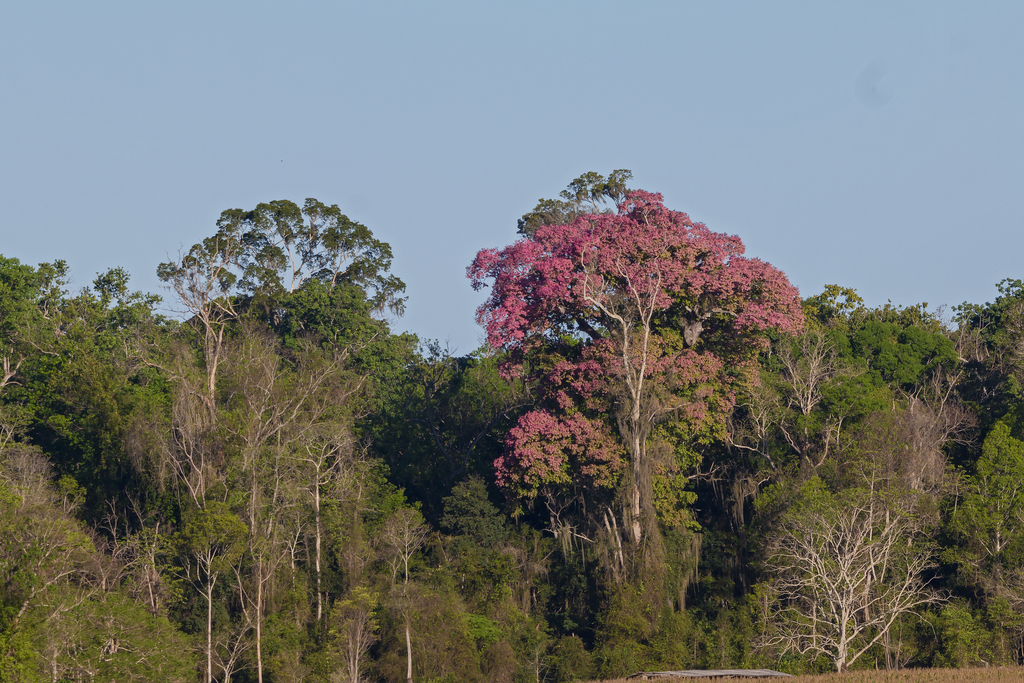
(993, 675)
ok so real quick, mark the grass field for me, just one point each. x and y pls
(993, 675)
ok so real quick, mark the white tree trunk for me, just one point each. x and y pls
(408, 649)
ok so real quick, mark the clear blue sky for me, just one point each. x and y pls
(877, 145)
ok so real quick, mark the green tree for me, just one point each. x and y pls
(19, 290)
(446, 421)
(589, 194)
(66, 610)
(272, 250)
(469, 512)
(989, 339)
(78, 381)
(210, 541)
(988, 522)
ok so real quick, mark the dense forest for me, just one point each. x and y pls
(663, 458)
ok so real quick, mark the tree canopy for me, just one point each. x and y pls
(638, 313)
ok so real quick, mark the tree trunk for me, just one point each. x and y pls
(316, 509)
(408, 650)
(209, 630)
(259, 624)
(637, 496)
(633, 514)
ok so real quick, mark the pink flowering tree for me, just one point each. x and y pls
(625, 320)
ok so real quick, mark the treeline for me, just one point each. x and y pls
(663, 459)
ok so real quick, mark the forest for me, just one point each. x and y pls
(662, 458)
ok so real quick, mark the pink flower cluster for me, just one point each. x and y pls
(646, 256)
(545, 449)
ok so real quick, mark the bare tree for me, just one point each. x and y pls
(403, 534)
(845, 570)
(265, 555)
(321, 461)
(278, 396)
(230, 646)
(188, 448)
(809, 362)
(139, 553)
(750, 427)
(933, 418)
(202, 281)
(14, 423)
(276, 405)
(904, 446)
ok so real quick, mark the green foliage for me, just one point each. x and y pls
(443, 645)
(61, 614)
(586, 194)
(990, 339)
(988, 522)
(857, 396)
(624, 628)
(19, 291)
(80, 388)
(215, 534)
(484, 631)
(443, 420)
(902, 355)
(107, 558)
(964, 638)
(833, 306)
(678, 643)
(568, 660)
(468, 511)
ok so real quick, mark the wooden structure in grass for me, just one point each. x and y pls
(708, 673)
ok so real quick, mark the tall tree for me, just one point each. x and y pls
(639, 311)
(282, 246)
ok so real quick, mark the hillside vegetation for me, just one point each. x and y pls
(662, 458)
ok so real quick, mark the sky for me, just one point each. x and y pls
(875, 145)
